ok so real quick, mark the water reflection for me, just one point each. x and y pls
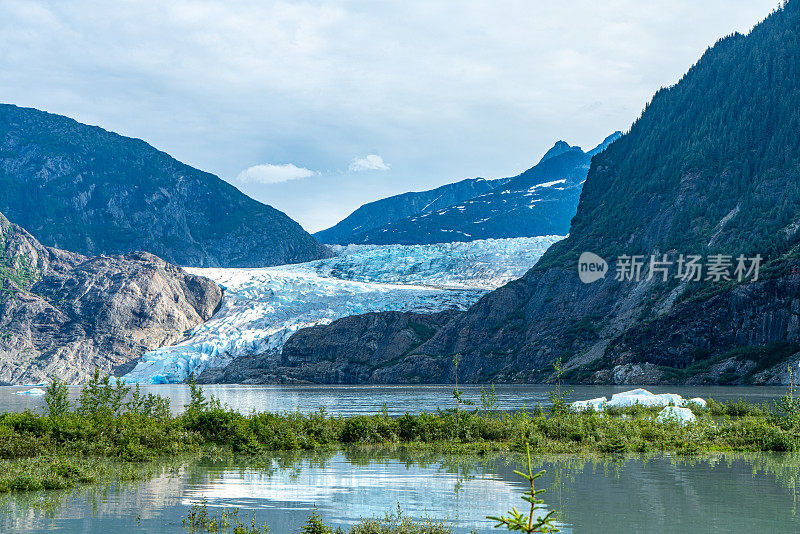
(717, 493)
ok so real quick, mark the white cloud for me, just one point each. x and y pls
(273, 174)
(458, 89)
(371, 162)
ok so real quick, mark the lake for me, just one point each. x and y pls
(399, 399)
(716, 494)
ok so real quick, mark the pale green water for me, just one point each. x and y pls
(722, 494)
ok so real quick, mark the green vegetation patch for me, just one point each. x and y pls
(113, 425)
(15, 270)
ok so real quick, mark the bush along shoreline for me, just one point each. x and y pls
(113, 426)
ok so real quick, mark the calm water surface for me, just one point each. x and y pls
(350, 400)
(723, 493)
(719, 494)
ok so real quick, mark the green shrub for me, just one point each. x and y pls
(100, 398)
(56, 400)
(314, 525)
(369, 429)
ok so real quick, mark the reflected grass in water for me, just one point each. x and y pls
(470, 481)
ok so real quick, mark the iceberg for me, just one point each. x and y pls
(33, 391)
(676, 414)
(697, 400)
(263, 307)
(643, 398)
(597, 404)
(674, 404)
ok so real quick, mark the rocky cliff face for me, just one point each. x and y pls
(82, 188)
(63, 314)
(743, 334)
(691, 177)
(353, 350)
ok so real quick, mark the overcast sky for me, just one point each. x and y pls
(319, 107)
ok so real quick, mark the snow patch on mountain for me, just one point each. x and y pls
(263, 307)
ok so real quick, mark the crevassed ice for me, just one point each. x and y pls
(262, 308)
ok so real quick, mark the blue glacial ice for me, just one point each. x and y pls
(263, 307)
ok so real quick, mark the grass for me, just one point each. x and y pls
(111, 428)
(199, 520)
(391, 523)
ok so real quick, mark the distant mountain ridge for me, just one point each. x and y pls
(91, 191)
(540, 201)
(387, 210)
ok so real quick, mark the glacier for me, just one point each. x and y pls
(263, 307)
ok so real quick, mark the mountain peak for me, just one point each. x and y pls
(559, 148)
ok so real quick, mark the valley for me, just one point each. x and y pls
(263, 308)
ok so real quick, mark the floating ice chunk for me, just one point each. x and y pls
(697, 400)
(638, 391)
(677, 414)
(672, 398)
(643, 397)
(34, 391)
(597, 404)
(634, 397)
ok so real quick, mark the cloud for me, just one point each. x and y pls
(273, 174)
(372, 162)
(459, 89)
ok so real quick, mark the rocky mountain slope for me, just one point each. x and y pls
(82, 188)
(540, 201)
(711, 167)
(63, 314)
(375, 341)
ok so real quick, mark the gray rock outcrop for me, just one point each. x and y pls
(63, 314)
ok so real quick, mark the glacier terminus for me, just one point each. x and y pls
(263, 307)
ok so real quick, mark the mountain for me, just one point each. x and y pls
(63, 314)
(85, 189)
(711, 167)
(540, 201)
(388, 210)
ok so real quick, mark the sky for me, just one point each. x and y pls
(318, 107)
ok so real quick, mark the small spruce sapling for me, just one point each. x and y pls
(787, 407)
(489, 400)
(558, 397)
(517, 521)
(457, 393)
